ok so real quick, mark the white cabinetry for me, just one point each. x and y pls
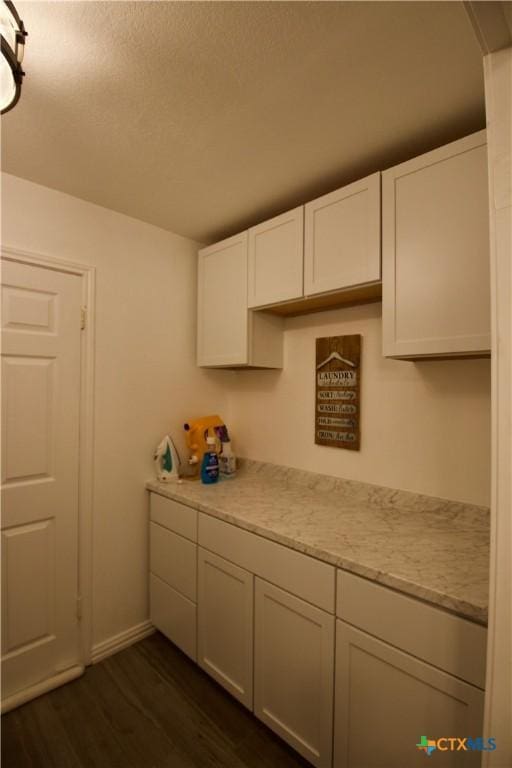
(404, 670)
(276, 250)
(293, 671)
(300, 574)
(225, 624)
(293, 633)
(435, 217)
(342, 238)
(173, 569)
(228, 333)
(267, 632)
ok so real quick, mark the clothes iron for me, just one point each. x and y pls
(167, 461)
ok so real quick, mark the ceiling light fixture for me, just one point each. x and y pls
(13, 45)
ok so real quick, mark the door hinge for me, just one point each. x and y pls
(78, 607)
(83, 317)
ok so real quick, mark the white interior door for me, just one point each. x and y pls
(40, 456)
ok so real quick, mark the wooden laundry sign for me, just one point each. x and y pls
(337, 391)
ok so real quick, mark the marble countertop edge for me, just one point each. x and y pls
(355, 496)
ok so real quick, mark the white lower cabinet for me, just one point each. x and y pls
(403, 669)
(293, 671)
(225, 624)
(386, 700)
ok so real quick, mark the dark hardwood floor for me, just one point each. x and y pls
(145, 707)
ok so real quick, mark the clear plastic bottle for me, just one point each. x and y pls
(227, 461)
(210, 463)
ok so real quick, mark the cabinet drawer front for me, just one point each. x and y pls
(449, 642)
(342, 237)
(174, 615)
(173, 515)
(174, 560)
(225, 624)
(293, 671)
(386, 699)
(276, 251)
(300, 574)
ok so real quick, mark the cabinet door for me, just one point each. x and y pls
(276, 253)
(342, 238)
(222, 319)
(386, 700)
(225, 624)
(436, 295)
(293, 671)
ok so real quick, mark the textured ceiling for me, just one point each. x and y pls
(204, 118)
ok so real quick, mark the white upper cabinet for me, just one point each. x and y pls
(276, 250)
(436, 295)
(228, 334)
(342, 238)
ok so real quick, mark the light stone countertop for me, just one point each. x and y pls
(432, 549)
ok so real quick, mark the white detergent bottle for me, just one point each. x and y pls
(227, 461)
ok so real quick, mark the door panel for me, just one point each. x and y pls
(276, 259)
(342, 238)
(27, 309)
(225, 624)
(28, 402)
(387, 699)
(29, 611)
(40, 454)
(294, 671)
(223, 319)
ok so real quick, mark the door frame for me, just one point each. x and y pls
(87, 275)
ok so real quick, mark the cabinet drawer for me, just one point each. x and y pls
(174, 615)
(297, 573)
(173, 515)
(174, 560)
(449, 642)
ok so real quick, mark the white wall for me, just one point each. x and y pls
(146, 379)
(425, 426)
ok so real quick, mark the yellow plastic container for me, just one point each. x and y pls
(197, 430)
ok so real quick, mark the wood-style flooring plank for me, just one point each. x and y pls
(42, 741)
(148, 706)
(186, 723)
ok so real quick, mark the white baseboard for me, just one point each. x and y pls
(122, 640)
(27, 694)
